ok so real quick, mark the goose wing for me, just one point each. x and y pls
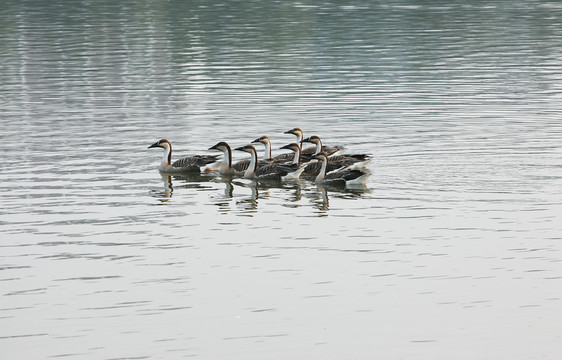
(346, 160)
(334, 182)
(344, 174)
(272, 168)
(241, 165)
(194, 163)
(283, 157)
(269, 177)
(313, 168)
(307, 153)
(330, 150)
(276, 173)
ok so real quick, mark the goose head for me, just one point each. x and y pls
(313, 139)
(220, 146)
(294, 131)
(262, 139)
(162, 143)
(247, 148)
(292, 146)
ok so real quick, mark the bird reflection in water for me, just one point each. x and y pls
(243, 196)
(164, 195)
(249, 205)
(223, 201)
(321, 197)
(263, 190)
(190, 181)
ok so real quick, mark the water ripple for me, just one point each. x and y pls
(458, 227)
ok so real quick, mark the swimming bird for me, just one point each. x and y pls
(337, 157)
(332, 150)
(312, 169)
(343, 177)
(226, 168)
(309, 153)
(267, 154)
(188, 164)
(269, 171)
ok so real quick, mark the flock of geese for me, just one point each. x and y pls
(324, 164)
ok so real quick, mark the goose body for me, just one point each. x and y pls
(226, 168)
(342, 177)
(310, 152)
(268, 171)
(188, 164)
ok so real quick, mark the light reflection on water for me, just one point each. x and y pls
(451, 249)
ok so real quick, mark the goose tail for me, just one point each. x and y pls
(360, 181)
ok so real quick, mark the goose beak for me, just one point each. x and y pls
(153, 145)
(285, 147)
(214, 147)
(241, 148)
(288, 132)
(256, 141)
(306, 140)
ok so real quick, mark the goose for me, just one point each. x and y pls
(312, 169)
(343, 177)
(267, 154)
(226, 168)
(345, 159)
(333, 150)
(309, 153)
(188, 164)
(270, 171)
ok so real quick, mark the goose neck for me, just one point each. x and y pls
(167, 158)
(251, 170)
(267, 153)
(297, 157)
(226, 161)
(322, 174)
(318, 146)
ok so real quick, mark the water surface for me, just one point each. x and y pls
(452, 250)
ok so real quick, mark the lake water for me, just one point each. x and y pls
(451, 251)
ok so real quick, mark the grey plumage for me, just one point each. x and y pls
(194, 162)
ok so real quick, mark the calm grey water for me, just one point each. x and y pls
(452, 251)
